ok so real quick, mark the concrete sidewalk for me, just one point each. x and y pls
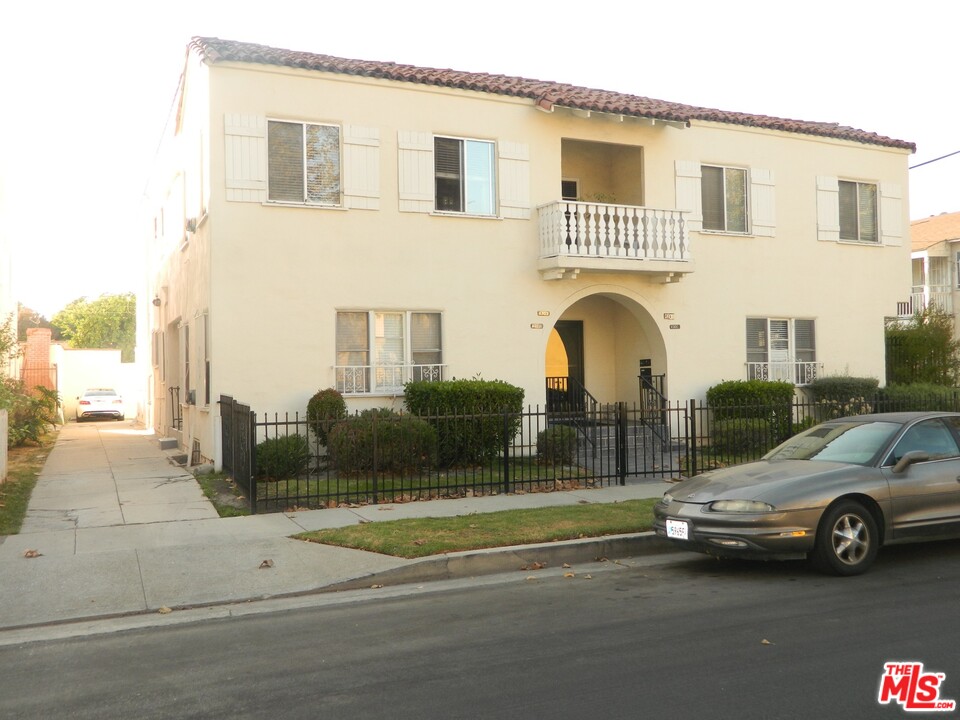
(113, 529)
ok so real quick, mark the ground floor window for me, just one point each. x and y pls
(782, 349)
(380, 351)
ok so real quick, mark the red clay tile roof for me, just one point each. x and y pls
(545, 93)
(934, 229)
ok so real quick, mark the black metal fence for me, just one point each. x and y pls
(281, 462)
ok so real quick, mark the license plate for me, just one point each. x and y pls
(678, 530)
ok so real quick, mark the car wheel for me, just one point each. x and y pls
(847, 540)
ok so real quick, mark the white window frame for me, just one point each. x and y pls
(859, 234)
(726, 200)
(387, 378)
(796, 365)
(466, 199)
(335, 189)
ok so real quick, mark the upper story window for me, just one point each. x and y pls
(858, 211)
(303, 163)
(464, 176)
(723, 192)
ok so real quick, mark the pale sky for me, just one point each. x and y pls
(86, 87)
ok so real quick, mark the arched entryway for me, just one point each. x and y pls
(602, 343)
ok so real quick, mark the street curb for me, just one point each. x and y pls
(491, 561)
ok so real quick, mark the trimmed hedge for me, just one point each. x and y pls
(748, 398)
(282, 458)
(473, 418)
(920, 396)
(382, 440)
(750, 437)
(842, 388)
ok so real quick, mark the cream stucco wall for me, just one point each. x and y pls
(272, 278)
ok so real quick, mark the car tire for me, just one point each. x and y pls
(847, 540)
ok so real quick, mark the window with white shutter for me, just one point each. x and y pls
(464, 176)
(303, 163)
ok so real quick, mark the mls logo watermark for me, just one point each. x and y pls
(916, 690)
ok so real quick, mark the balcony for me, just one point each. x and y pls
(791, 371)
(931, 296)
(383, 379)
(580, 237)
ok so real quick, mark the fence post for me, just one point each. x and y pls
(622, 442)
(506, 451)
(376, 460)
(692, 437)
(252, 440)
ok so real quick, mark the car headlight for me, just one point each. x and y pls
(739, 506)
(666, 499)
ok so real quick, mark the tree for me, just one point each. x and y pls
(28, 318)
(923, 349)
(108, 322)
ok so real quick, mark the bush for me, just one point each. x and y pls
(402, 442)
(473, 418)
(919, 396)
(284, 457)
(324, 409)
(842, 388)
(557, 445)
(748, 398)
(750, 437)
(29, 413)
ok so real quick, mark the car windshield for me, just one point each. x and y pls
(847, 442)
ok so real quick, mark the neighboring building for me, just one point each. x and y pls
(322, 222)
(935, 263)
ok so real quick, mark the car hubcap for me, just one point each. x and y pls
(850, 539)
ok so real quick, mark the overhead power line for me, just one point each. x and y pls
(955, 152)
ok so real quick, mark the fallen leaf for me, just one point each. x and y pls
(32, 554)
(532, 577)
(766, 642)
(266, 564)
(164, 610)
(376, 587)
(569, 575)
(566, 565)
(588, 577)
(534, 566)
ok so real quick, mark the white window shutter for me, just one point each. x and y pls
(415, 166)
(891, 214)
(361, 167)
(688, 193)
(828, 208)
(514, 180)
(763, 216)
(245, 152)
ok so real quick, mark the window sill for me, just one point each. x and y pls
(727, 234)
(441, 213)
(308, 206)
(861, 243)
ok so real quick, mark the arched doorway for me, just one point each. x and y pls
(598, 349)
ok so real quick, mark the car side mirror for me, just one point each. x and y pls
(911, 457)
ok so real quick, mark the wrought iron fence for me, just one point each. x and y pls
(281, 463)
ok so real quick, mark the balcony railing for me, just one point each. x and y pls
(383, 379)
(578, 236)
(938, 296)
(792, 371)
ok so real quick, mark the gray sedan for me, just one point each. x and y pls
(834, 493)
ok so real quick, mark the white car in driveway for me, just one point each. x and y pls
(98, 403)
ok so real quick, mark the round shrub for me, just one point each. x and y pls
(383, 440)
(324, 409)
(284, 457)
(557, 445)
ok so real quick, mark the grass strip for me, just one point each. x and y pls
(415, 538)
(23, 468)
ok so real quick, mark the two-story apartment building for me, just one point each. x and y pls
(324, 222)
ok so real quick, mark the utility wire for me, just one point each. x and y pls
(955, 152)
